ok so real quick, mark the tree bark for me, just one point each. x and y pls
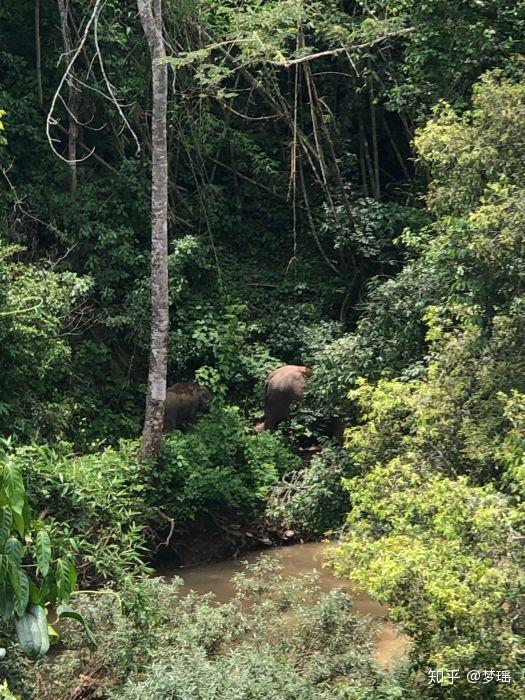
(375, 151)
(72, 99)
(38, 50)
(150, 12)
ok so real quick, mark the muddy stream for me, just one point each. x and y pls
(296, 560)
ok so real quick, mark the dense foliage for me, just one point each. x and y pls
(437, 508)
(32, 576)
(276, 639)
(27, 571)
(110, 510)
(346, 192)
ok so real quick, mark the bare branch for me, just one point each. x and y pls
(110, 88)
(50, 120)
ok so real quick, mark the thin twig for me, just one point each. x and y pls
(110, 88)
(338, 50)
(50, 120)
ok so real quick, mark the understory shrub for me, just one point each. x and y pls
(445, 557)
(37, 306)
(105, 507)
(277, 639)
(312, 500)
(95, 505)
(435, 529)
(219, 466)
(437, 523)
(33, 577)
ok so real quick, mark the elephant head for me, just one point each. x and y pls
(184, 401)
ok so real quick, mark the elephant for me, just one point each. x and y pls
(284, 386)
(184, 401)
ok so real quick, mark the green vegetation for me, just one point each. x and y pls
(31, 578)
(276, 638)
(109, 509)
(437, 507)
(312, 499)
(345, 191)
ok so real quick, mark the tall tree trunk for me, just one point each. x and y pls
(72, 99)
(375, 151)
(38, 50)
(150, 12)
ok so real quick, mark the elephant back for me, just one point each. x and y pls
(289, 378)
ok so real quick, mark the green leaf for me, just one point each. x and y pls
(22, 594)
(73, 575)
(34, 593)
(54, 637)
(6, 602)
(15, 579)
(14, 486)
(67, 611)
(48, 591)
(6, 519)
(13, 552)
(43, 552)
(64, 582)
(19, 523)
(26, 514)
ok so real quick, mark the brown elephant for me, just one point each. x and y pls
(284, 386)
(184, 401)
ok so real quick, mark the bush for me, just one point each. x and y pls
(37, 306)
(32, 577)
(16, 673)
(105, 507)
(436, 528)
(95, 505)
(219, 466)
(277, 639)
(313, 500)
(441, 554)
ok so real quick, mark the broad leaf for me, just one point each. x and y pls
(67, 611)
(19, 523)
(22, 594)
(54, 637)
(14, 486)
(6, 519)
(63, 579)
(13, 552)
(6, 602)
(48, 591)
(43, 552)
(34, 593)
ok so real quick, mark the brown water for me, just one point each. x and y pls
(297, 560)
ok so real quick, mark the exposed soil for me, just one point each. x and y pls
(206, 540)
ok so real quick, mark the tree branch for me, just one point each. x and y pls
(338, 50)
